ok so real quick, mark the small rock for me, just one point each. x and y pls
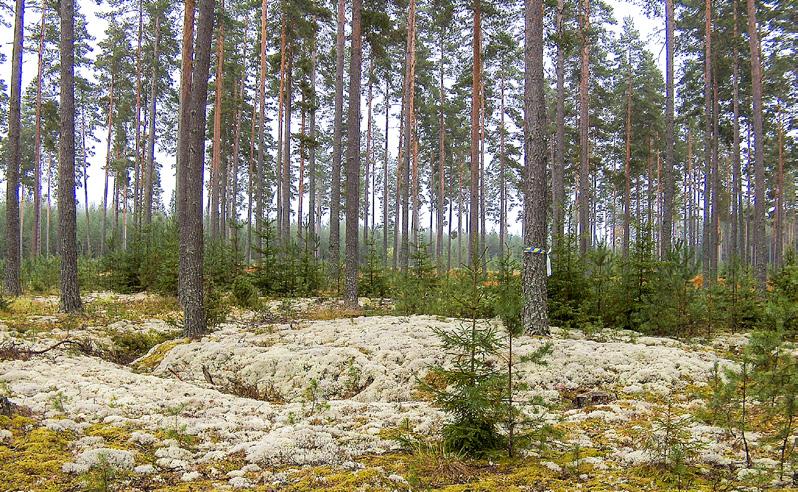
(592, 398)
(240, 483)
(190, 476)
(144, 469)
(5, 436)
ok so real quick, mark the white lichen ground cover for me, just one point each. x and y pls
(264, 399)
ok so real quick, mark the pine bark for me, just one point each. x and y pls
(286, 167)
(335, 183)
(36, 246)
(385, 176)
(12, 267)
(186, 69)
(473, 232)
(191, 231)
(216, 156)
(150, 171)
(259, 169)
(441, 161)
(67, 213)
(353, 159)
(558, 169)
(535, 154)
(736, 194)
(584, 128)
(670, 135)
(706, 241)
(627, 167)
(138, 159)
(312, 217)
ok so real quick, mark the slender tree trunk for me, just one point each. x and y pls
(385, 176)
(534, 267)
(150, 174)
(584, 128)
(49, 206)
(476, 75)
(737, 213)
(260, 169)
(558, 169)
(409, 121)
(441, 161)
(370, 100)
(715, 182)
(252, 178)
(186, 73)
(353, 159)
(216, 156)
(13, 235)
(312, 217)
(502, 173)
(138, 160)
(706, 241)
(482, 213)
(191, 231)
(67, 214)
(233, 209)
(335, 179)
(286, 168)
(36, 247)
(778, 226)
(670, 135)
(627, 167)
(85, 158)
(301, 185)
(278, 174)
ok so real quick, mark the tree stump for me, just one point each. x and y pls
(591, 398)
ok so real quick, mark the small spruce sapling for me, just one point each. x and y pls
(474, 388)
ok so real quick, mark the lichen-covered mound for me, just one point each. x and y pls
(254, 396)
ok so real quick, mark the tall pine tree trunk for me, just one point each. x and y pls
(12, 267)
(584, 128)
(312, 217)
(385, 175)
(36, 247)
(558, 169)
(473, 237)
(706, 241)
(191, 230)
(627, 167)
(150, 174)
(260, 169)
(335, 179)
(216, 156)
(186, 73)
(670, 135)
(370, 100)
(353, 159)
(138, 160)
(441, 162)
(67, 215)
(286, 167)
(736, 193)
(534, 268)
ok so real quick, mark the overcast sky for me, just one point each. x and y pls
(650, 30)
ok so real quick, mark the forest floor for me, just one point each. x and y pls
(306, 395)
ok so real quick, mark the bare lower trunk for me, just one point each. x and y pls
(473, 232)
(584, 127)
(191, 231)
(335, 180)
(36, 246)
(13, 235)
(534, 267)
(67, 215)
(353, 159)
